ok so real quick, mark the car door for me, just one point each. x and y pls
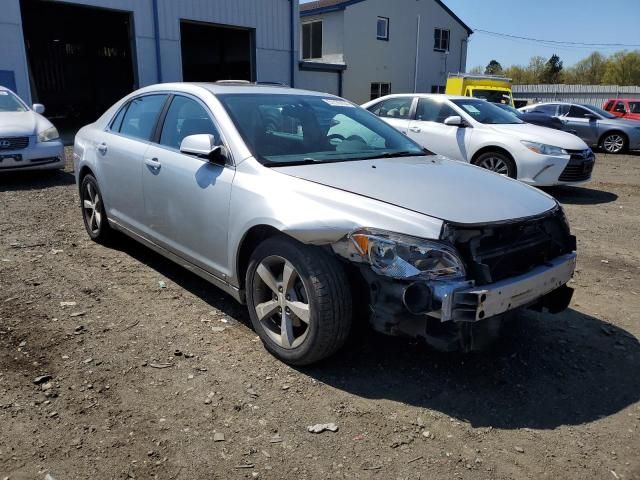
(395, 111)
(120, 152)
(186, 197)
(429, 130)
(581, 122)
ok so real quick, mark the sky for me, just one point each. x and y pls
(583, 21)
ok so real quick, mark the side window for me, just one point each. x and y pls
(393, 108)
(563, 110)
(141, 115)
(608, 105)
(430, 110)
(185, 117)
(620, 108)
(548, 109)
(578, 112)
(116, 123)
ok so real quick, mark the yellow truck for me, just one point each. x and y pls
(490, 87)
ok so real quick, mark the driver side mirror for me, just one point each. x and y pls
(204, 146)
(455, 121)
(591, 116)
(38, 108)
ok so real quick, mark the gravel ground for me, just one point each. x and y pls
(150, 372)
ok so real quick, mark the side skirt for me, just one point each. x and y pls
(235, 292)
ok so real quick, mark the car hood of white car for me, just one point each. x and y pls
(431, 185)
(548, 136)
(15, 124)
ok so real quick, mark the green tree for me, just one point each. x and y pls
(623, 68)
(589, 71)
(493, 68)
(535, 69)
(552, 72)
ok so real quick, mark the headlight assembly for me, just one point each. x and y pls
(401, 256)
(48, 135)
(543, 149)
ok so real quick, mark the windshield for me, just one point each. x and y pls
(634, 107)
(10, 103)
(493, 96)
(599, 111)
(509, 109)
(485, 112)
(294, 129)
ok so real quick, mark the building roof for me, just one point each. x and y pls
(325, 6)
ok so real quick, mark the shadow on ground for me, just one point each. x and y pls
(581, 196)
(34, 180)
(546, 371)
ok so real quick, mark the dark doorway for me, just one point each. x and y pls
(212, 52)
(80, 59)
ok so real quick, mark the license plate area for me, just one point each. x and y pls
(16, 157)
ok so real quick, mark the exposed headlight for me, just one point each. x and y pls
(48, 135)
(401, 256)
(543, 149)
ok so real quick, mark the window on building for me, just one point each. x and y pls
(441, 37)
(311, 40)
(380, 90)
(383, 28)
(437, 88)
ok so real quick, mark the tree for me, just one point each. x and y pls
(623, 68)
(589, 71)
(493, 68)
(535, 69)
(552, 72)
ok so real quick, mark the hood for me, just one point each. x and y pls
(434, 186)
(17, 124)
(536, 133)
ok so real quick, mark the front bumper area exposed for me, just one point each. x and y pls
(394, 304)
(36, 156)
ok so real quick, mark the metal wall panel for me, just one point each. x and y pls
(588, 94)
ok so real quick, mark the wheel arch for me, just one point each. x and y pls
(251, 239)
(494, 148)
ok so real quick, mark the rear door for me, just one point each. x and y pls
(396, 111)
(186, 197)
(429, 130)
(120, 152)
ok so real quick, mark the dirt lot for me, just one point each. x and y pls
(557, 398)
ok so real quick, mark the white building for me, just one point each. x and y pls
(79, 56)
(363, 49)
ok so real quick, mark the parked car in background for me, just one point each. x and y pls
(275, 196)
(476, 131)
(536, 118)
(28, 141)
(623, 108)
(597, 127)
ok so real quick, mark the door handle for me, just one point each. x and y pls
(102, 148)
(415, 129)
(152, 163)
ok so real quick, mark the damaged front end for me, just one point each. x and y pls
(455, 288)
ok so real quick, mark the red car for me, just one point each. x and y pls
(623, 107)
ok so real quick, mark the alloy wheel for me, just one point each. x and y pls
(613, 143)
(92, 207)
(495, 164)
(281, 302)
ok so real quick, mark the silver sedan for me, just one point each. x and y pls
(28, 141)
(313, 211)
(597, 127)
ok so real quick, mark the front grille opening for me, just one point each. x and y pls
(580, 166)
(13, 143)
(495, 252)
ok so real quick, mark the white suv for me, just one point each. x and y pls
(476, 131)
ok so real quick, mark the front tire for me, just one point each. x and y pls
(614, 142)
(497, 162)
(93, 212)
(299, 300)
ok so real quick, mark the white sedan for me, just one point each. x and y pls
(28, 141)
(476, 131)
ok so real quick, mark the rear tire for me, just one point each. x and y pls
(497, 162)
(93, 212)
(299, 300)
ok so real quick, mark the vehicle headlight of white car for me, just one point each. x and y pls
(543, 149)
(48, 135)
(401, 256)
